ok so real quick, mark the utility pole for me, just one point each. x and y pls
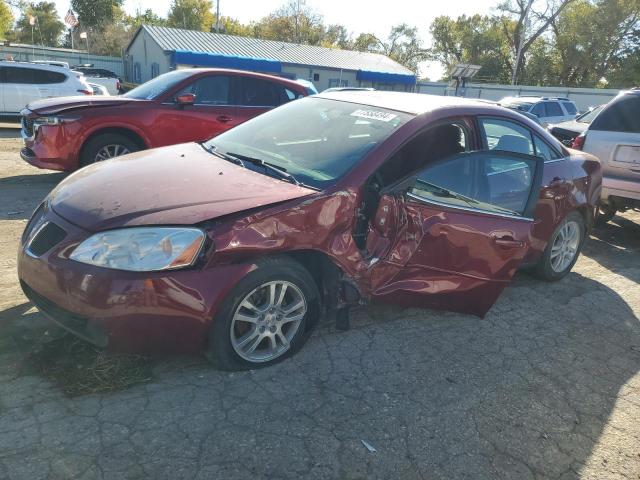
(218, 16)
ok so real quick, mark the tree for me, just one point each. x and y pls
(6, 19)
(402, 45)
(96, 14)
(523, 22)
(294, 22)
(191, 15)
(148, 17)
(47, 29)
(476, 39)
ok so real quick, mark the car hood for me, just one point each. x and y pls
(177, 185)
(571, 126)
(50, 106)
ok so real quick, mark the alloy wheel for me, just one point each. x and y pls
(565, 246)
(266, 321)
(111, 151)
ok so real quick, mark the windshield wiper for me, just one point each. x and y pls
(280, 171)
(213, 150)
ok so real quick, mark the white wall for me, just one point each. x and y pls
(145, 51)
(583, 97)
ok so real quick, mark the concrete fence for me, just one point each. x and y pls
(27, 53)
(583, 97)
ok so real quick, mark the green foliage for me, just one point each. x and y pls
(96, 14)
(191, 14)
(47, 29)
(6, 19)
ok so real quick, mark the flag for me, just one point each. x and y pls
(32, 20)
(70, 19)
(83, 35)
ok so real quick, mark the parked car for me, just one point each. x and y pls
(238, 245)
(56, 63)
(22, 82)
(99, 89)
(614, 137)
(547, 109)
(180, 106)
(101, 76)
(566, 132)
(311, 88)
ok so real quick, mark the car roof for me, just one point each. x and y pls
(244, 73)
(413, 103)
(38, 66)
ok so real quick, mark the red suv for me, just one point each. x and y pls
(180, 106)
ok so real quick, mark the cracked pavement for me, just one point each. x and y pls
(547, 386)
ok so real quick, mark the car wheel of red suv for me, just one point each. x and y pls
(106, 146)
(266, 316)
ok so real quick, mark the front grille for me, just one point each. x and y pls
(34, 220)
(48, 235)
(27, 126)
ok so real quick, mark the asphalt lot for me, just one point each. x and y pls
(547, 386)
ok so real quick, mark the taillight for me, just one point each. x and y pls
(578, 142)
(118, 84)
(86, 92)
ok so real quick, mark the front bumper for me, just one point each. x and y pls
(50, 147)
(122, 311)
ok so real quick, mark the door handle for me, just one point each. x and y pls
(507, 241)
(224, 118)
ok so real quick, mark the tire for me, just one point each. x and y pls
(112, 142)
(231, 337)
(605, 212)
(548, 268)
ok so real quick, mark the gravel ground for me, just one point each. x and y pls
(547, 386)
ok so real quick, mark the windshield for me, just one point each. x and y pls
(314, 139)
(521, 106)
(154, 88)
(589, 116)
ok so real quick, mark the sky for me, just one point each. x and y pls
(358, 16)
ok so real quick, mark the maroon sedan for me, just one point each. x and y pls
(191, 105)
(238, 245)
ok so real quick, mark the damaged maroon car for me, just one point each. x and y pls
(238, 246)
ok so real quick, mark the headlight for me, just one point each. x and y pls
(53, 120)
(142, 249)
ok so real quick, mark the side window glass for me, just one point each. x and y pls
(507, 136)
(543, 150)
(291, 95)
(621, 116)
(211, 90)
(46, 76)
(570, 108)
(497, 182)
(261, 93)
(553, 109)
(19, 75)
(538, 110)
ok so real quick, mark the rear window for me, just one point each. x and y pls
(32, 76)
(622, 115)
(553, 109)
(570, 108)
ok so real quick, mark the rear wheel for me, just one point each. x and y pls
(266, 316)
(106, 146)
(562, 249)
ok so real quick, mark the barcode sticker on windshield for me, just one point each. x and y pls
(374, 115)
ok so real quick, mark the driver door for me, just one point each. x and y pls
(461, 229)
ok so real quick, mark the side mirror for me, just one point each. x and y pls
(186, 99)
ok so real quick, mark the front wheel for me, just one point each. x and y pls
(106, 146)
(605, 212)
(563, 249)
(266, 316)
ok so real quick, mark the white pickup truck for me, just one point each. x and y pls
(100, 76)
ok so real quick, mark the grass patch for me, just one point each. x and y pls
(79, 368)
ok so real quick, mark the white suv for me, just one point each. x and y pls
(614, 137)
(547, 109)
(22, 82)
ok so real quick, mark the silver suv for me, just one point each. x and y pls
(614, 137)
(547, 109)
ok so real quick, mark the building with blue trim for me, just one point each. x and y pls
(155, 50)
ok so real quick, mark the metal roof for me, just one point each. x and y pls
(172, 39)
